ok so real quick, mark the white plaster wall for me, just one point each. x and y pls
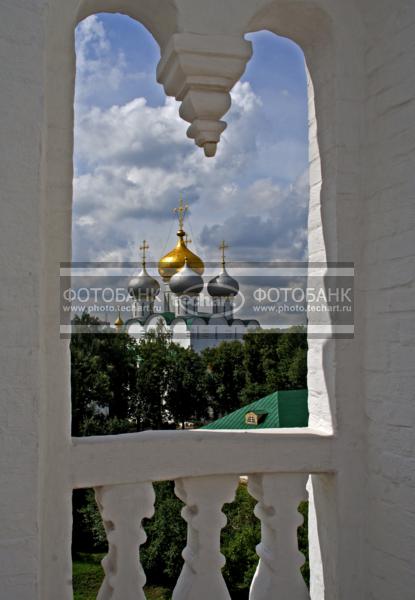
(55, 221)
(389, 361)
(21, 118)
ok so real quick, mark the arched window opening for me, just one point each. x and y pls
(246, 209)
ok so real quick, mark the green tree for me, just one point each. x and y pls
(267, 361)
(166, 537)
(119, 354)
(226, 376)
(90, 383)
(153, 378)
(275, 360)
(291, 372)
(103, 372)
(239, 540)
(261, 359)
(186, 393)
(297, 371)
(302, 535)
(88, 529)
(103, 425)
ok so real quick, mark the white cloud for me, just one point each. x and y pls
(244, 99)
(268, 223)
(131, 134)
(100, 70)
(85, 221)
(134, 159)
(97, 67)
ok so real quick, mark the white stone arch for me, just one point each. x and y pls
(195, 325)
(238, 328)
(252, 325)
(154, 321)
(181, 332)
(135, 329)
(337, 80)
(157, 16)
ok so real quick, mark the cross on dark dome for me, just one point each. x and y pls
(144, 246)
(222, 247)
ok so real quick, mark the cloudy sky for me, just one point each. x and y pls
(133, 159)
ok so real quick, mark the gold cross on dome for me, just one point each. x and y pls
(144, 246)
(222, 247)
(187, 240)
(181, 211)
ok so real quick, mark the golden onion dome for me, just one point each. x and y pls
(175, 259)
(118, 321)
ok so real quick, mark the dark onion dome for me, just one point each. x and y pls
(223, 285)
(186, 281)
(143, 286)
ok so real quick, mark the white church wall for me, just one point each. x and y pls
(201, 336)
(181, 333)
(136, 330)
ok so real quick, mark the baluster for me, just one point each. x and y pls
(278, 573)
(123, 507)
(201, 577)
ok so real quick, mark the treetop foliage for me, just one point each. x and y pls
(119, 385)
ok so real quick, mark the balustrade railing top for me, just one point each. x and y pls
(205, 466)
(162, 455)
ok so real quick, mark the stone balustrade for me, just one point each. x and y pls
(205, 466)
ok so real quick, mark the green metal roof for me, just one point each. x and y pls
(189, 320)
(167, 315)
(283, 409)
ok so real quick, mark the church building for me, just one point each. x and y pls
(178, 305)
